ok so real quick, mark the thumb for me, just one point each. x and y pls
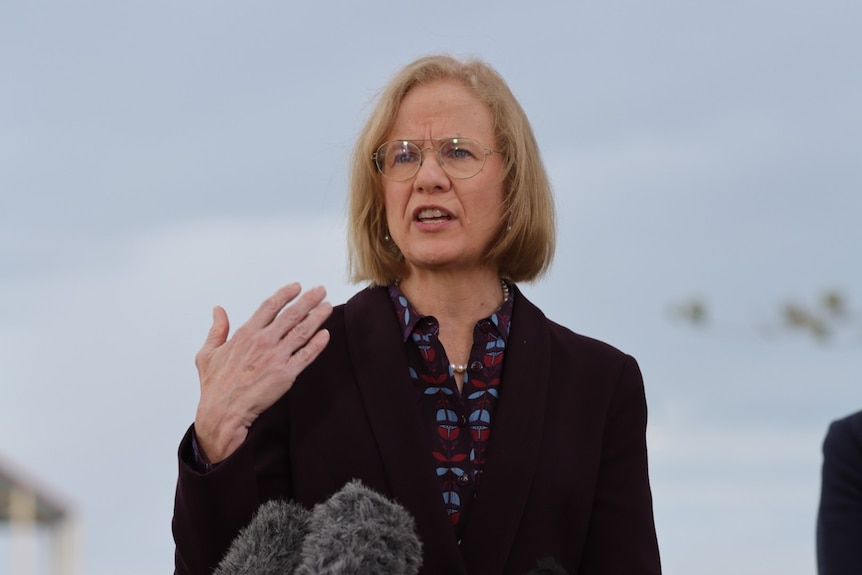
(219, 329)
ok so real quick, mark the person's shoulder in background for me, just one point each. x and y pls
(839, 521)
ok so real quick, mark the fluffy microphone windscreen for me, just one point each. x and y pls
(360, 532)
(270, 544)
(548, 567)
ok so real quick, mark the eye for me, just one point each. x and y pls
(459, 150)
(404, 154)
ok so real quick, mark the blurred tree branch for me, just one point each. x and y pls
(827, 319)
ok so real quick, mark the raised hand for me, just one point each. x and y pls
(242, 376)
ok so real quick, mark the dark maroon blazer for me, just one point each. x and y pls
(566, 473)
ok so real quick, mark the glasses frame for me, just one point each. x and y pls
(377, 155)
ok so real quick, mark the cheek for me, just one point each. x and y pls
(387, 199)
(393, 206)
(491, 206)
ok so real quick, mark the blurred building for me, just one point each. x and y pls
(39, 526)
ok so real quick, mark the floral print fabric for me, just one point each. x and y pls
(459, 423)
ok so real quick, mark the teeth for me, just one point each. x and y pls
(431, 214)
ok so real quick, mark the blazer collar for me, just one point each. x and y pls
(373, 335)
(380, 365)
(515, 439)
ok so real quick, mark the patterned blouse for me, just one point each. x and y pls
(459, 423)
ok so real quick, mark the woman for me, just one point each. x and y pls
(508, 438)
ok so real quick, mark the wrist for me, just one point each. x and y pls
(217, 440)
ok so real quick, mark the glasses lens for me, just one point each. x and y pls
(459, 157)
(462, 158)
(399, 160)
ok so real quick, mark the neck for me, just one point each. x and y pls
(458, 301)
(463, 297)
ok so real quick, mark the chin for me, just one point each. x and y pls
(433, 258)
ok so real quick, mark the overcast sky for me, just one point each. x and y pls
(158, 158)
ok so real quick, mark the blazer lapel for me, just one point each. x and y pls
(380, 366)
(515, 437)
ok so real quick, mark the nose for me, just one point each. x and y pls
(431, 177)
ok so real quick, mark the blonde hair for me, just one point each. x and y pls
(525, 247)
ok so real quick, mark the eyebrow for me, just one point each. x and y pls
(417, 141)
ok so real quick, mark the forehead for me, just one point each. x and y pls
(444, 108)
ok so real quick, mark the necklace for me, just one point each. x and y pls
(462, 367)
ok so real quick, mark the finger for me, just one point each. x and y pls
(307, 328)
(272, 305)
(297, 312)
(217, 334)
(219, 329)
(307, 354)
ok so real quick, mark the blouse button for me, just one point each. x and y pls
(485, 325)
(476, 366)
(463, 480)
(462, 420)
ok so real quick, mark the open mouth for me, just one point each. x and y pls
(432, 215)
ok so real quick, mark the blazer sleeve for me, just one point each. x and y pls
(211, 508)
(839, 521)
(621, 536)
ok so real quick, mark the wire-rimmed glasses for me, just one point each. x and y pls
(460, 158)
